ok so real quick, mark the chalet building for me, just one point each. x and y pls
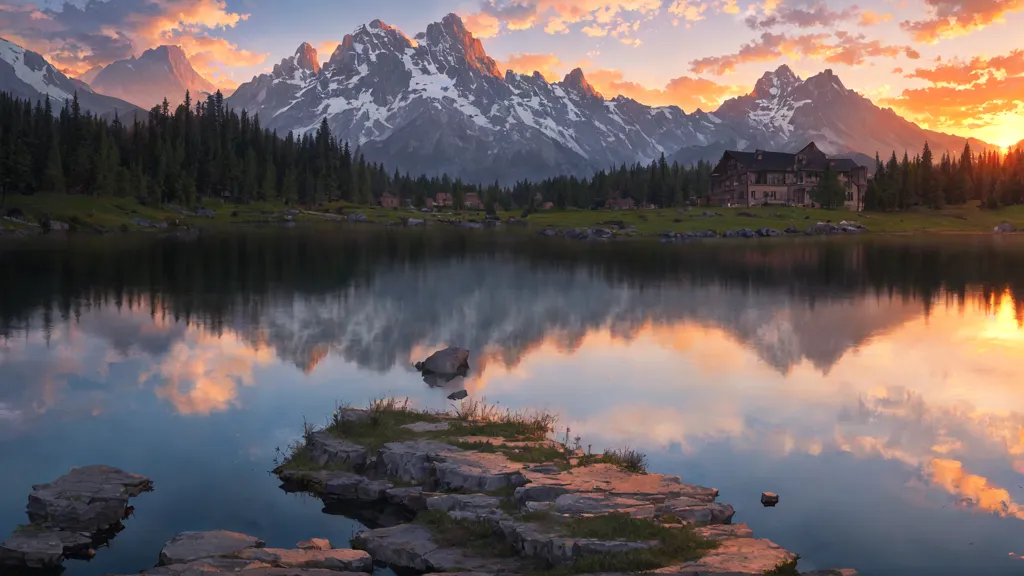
(764, 177)
(472, 202)
(388, 200)
(617, 202)
(442, 200)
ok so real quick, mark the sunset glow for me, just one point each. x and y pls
(951, 66)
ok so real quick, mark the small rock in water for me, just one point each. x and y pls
(452, 360)
(460, 395)
(315, 544)
(769, 499)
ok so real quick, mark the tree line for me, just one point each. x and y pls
(202, 149)
(991, 178)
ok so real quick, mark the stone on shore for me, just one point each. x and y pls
(451, 360)
(45, 549)
(477, 472)
(735, 557)
(769, 499)
(315, 544)
(411, 497)
(412, 546)
(410, 461)
(189, 546)
(65, 515)
(342, 560)
(86, 499)
(329, 451)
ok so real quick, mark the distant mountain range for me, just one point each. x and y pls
(26, 74)
(437, 103)
(162, 72)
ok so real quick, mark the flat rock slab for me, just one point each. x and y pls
(738, 557)
(462, 502)
(724, 531)
(477, 472)
(411, 461)
(42, 549)
(339, 559)
(422, 427)
(411, 546)
(411, 497)
(598, 503)
(694, 511)
(616, 481)
(87, 499)
(189, 546)
(315, 544)
(536, 541)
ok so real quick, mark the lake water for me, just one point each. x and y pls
(873, 383)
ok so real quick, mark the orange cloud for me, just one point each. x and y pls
(686, 92)
(951, 18)
(869, 18)
(985, 95)
(77, 38)
(208, 56)
(849, 49)
(973, 491)
(549, 65)
(482, 25)
(689, 10)
(202, 374)
(557, 16)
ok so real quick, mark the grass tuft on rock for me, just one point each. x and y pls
(626, 458)
(528, 454)
(380, 423)
(483, 419)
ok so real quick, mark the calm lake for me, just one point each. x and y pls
(873, 383)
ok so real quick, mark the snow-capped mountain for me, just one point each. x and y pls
(26, 74)
(784, 112)
(161, 72)
(437, 103)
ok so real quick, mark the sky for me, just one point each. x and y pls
(951, 65)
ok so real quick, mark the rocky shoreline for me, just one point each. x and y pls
(476, 492)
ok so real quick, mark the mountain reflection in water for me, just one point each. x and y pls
(870, 382)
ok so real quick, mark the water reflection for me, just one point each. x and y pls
(802, 365)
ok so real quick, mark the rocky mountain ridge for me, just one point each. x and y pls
(436, 103)
(26, 74)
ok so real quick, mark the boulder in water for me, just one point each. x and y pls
(451, 360)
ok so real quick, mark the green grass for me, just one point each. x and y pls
(966, 218)
(626, 458)
(784, 569)
(112, 214)
(528, 454)
(477, 536)
(675, 545)
(29, 529)
(478, 418)
(383, 425)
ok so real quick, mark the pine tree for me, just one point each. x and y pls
(53, 176)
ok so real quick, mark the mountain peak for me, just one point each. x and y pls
(773, 84)
(577, 81)
(450, 35)
(826, 81)
(165, 52)
(306, 58)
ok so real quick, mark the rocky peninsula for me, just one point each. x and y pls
(476, 491)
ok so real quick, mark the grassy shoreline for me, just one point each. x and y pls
(108, 214)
